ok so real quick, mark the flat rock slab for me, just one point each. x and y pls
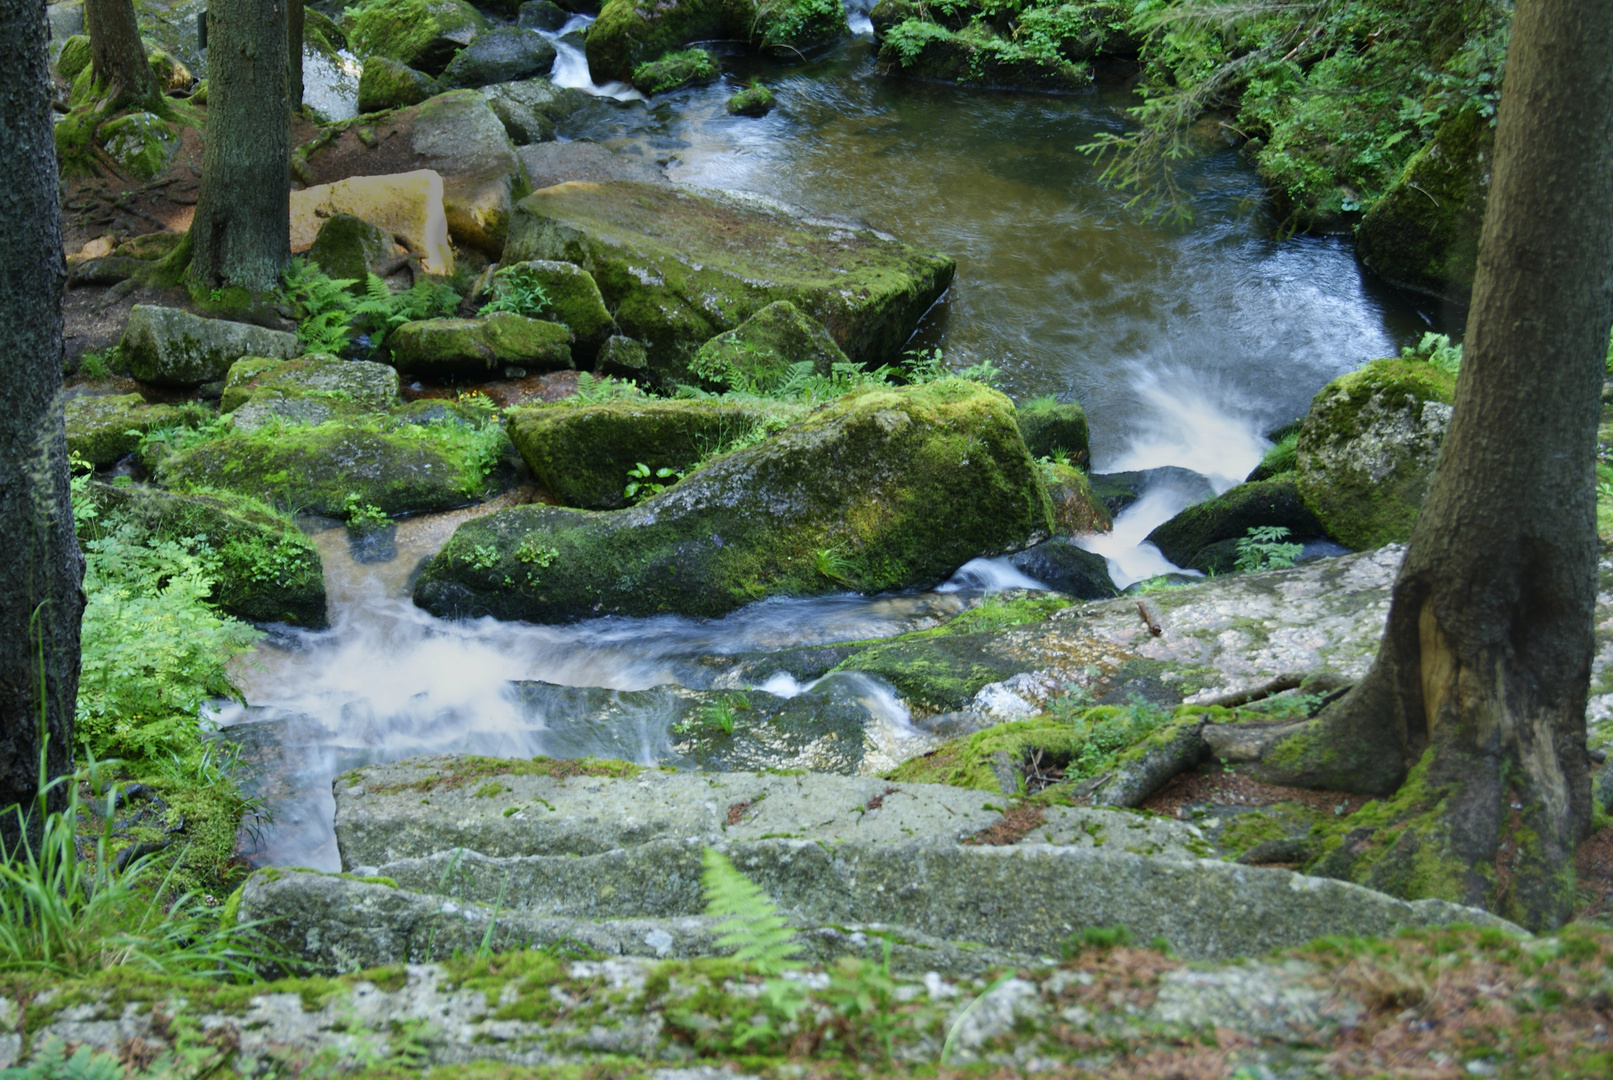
(426, 805)
(343, 924)
(679, 267)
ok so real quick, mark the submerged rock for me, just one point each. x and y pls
(424, 34)
(582, 453)
(386, 83)
(754, 100)
(1367, 451)
(103, 429)
(761, 351)
(883, 489)
(1204, 536)
(679, 268)
(170, 347)
(500, 55)
(1067, 569)
(472, 349)
(267, 570)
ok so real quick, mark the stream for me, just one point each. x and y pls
(1185, 345)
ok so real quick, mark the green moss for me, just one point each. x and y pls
(103, 429)
(980, 54)
(424, 34)
(761, 354)
(386, 83)
(754, 100)
(632, 32)
(885, 488)
(674, 70)
(1052, 427)
(478, 348)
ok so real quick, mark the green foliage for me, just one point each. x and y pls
(787, 23)
(1435, 349)
(1263, 549)
(751, 924)
(834, 564)
(51, 1062)
(517, 289)
(644, 483)
(95, 364)
(1106, 731)
(154, 648)
(362, 517)
(331, 319)
(598, 389)
(534, 554)
(673, 70)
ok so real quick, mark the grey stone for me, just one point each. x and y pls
(459, 136)
(551, 163)
(317, 376)
(623, 358)
(386, 83)
(170, 347)
(1264, 1000)
(66, 20)
(1065, 568)
(530, 109)
(499, 55)
(349, 248)
(542, 15)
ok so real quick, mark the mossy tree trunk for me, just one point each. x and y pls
(295, 18)
(241, 236)
(1475, 707)
(40, 575)
(118, 58)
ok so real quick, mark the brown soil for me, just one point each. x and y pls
(533, 389)
(1016, 823)
(1235, 789)
(1593, 869)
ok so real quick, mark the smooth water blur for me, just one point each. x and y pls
(1184, 346)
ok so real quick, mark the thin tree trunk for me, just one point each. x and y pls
(294, 30)
(1477, 699)
(41, 573)
(241, 233)
(118, 56)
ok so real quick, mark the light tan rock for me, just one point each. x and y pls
(408, 205)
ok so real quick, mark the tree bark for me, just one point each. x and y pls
(1475, 707)
(41, 573)
(294, 31)
(241, 235)
(118, 57)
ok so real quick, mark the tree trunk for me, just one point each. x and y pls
(40, 575)
(294, 30)
(118, 57)
(1475, 707)
(241, 236)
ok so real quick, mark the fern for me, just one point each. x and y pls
(517, 289)
(752, 925)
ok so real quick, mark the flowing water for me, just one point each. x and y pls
(1184, 345)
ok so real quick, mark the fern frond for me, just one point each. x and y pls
(752, 924)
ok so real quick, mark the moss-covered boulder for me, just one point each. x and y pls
(470, 349)
(582, 453)
(1366, 454)
(143, 144)
(424, 34)
(1186, 538)
(883, 489)
(171, 74)
(355, 382)
(1423, 234)
(754, 100)
(760, 352)
(170, 347)
(574, 300)
(1051, 426)
(499, 55)
(689, 67)
(74, 57)
(530, 108)
(623, 358)
(1077, 510)
(349, 248)
(978, 55)
(679, 268)
(268, 571)
(386, 83)
(103, 429)
(386, 462)
(633, 32)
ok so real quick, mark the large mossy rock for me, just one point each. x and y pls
(424, 34)
(529, 109)
(386, 83)
(582, 453)
(1187, 538)
(170, 347)
(1367, 451)
(679, 268)
(472, 349)
(268, 571)
(1423, 234)
(632, 32)
(574, 299)
(361, 383)
(760, 351)
(498, 56)
(349, 248)
(390, 463)
(975, 56)
(675, 70)
(1077, 510)
(143, 144)
(103, 429)
(884, 489)
(1050, 426)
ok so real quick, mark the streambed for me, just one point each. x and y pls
(1184, 345)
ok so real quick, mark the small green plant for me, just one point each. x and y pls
(644, 483)
(924, 365)
(98, 364)
(331, 319)
(51, 1062)
(1263, 549)
(363, 517)
(1096, 938)
(483, 557)
(598, 389)
(1435, 349)
(752, 925)
(535, 554)
(516, 289)
(832, 563)
(986, 373)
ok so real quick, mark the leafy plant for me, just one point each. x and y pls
(51, 1062)
(483, 557)
(597, 389)
(1263, 549)
(752, 924)
(331, 319)
(1435, 349)
(99, 364)
(363, 517)
(644, 483)
(833, 564)
(516, 289)
(535, 554)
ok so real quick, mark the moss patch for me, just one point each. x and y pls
(462, 771)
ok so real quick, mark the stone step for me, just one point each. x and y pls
(498, 808)
(343, 924)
